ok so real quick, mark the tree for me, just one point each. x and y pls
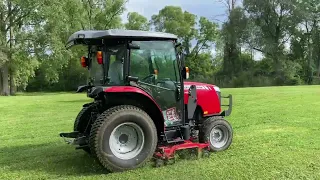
(200, 60)
(57, 24)
(14, 17)
(173, 20)
(137, 22)
(309, 16)
(205, 36)
(276, 21)
(234, 32)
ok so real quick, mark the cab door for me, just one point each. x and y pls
(167, 87)
(156, 65)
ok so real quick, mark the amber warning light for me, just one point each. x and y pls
(156, 73)
(187, 73)
(99, 57)
(84, 61)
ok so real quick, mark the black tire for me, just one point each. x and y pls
(223, 127)
(102, 129)
(81, 122)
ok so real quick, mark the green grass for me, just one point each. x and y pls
(276, 136)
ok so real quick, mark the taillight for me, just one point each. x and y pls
(99, 57)
(84, 61)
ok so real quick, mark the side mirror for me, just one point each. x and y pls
(182, 59)
(185, 70)
(185, 73)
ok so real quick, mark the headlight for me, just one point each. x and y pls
(217, 89)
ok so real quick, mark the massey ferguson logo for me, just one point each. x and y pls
(186, 87)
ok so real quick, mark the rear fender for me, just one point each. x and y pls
(87, 104)
(130, 90)
(117, 95)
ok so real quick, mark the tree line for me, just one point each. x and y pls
(285, 34)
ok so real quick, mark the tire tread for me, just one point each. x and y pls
(78, 118)
(77, 123)
(206, 128)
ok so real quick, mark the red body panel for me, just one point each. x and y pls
(207, 97)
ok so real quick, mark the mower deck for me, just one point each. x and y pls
(168, 152)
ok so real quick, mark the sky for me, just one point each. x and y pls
(207, 8)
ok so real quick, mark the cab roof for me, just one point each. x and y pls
(83, 36)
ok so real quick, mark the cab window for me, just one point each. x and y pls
(154, 62)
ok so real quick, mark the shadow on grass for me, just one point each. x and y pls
(57, 159)
(76, 101)
(53, 159)
(42, 93)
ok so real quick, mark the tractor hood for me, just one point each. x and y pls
(200, 85)
(208, 97)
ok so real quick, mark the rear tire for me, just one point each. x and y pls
(218, 132)
(123, 138)
(81, 122)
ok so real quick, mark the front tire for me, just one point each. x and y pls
(218, 132)
(123, 138)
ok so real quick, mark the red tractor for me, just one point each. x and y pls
(142, 106)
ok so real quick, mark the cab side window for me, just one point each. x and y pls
(139, 65)
(154, 62)
(166, 64)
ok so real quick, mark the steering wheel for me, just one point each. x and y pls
(150, 78)
(163, 81)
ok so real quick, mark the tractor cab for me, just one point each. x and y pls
(142, 107)
(149, 61)
(150, 53)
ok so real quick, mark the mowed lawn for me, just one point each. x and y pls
(276, 136)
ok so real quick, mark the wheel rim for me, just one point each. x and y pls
(219, 136)
(126, 140)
